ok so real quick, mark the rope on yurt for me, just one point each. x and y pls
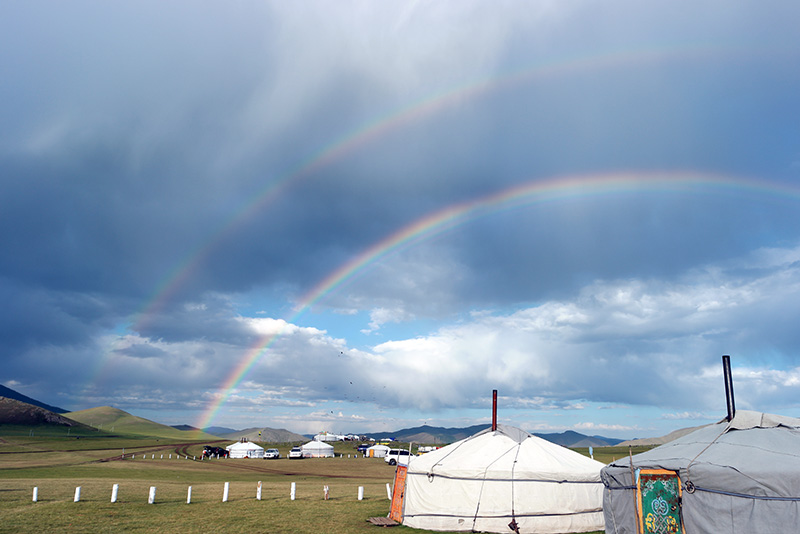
(688, 476)
(513, 524)
(483, 484)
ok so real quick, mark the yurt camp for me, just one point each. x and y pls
(245, 449)
(503, 480)
(317, 449)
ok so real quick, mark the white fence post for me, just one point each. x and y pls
(294, 488)
(77, 495)
(114, 492)
(361, 493)
(151, 499)
(225, 492)
(258, 491)
(388, 491)
(35, 494)
(189, 496)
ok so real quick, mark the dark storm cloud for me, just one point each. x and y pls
(211, 318)
(33, 316)
(139, 144)
(148, 190)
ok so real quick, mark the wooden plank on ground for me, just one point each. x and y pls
(383, 521)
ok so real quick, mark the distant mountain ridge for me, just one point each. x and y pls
(672, 436)
(433, 435)
(570, 438)
(11, 394)
(429, 434)
(263, 434)
(219, 430)
(112, 419)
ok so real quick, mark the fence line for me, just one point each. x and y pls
(151, 499)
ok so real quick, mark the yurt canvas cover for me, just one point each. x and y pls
(317, 449)
(742, 476)
(484, 482)
(245, 450)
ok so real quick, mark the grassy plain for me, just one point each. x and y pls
(57, 464)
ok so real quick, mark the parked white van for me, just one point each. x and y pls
(397, 456)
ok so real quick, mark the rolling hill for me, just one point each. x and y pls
(118, 421)
(16, 412)
(11, 394)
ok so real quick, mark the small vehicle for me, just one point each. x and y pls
(397, 456)
(214, 452)
(272, 453)
(363, 448)
(295, 453)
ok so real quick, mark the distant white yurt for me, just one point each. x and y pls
(245, 449)
(377, 451)
(496, 481)
(317, 449)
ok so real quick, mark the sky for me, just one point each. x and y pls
(365, 216)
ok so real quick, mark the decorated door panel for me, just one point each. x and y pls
(398, 493)
(658, 498)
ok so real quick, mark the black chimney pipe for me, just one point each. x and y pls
(494, 410)
(726, 371)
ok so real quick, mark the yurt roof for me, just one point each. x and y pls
(752, 442)
(246, 446)
(505, 453)
(319, 445)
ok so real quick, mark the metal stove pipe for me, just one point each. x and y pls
(494, 410)
(726, 371)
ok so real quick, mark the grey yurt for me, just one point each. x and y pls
(738, 476)
(741, 475)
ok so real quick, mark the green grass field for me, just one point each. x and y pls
(57, 464)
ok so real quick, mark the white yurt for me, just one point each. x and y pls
(377, 451)
(317, 449)
(245, 449)
(501, 480)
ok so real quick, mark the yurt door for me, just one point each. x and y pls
(398, 493)
(658, 497)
